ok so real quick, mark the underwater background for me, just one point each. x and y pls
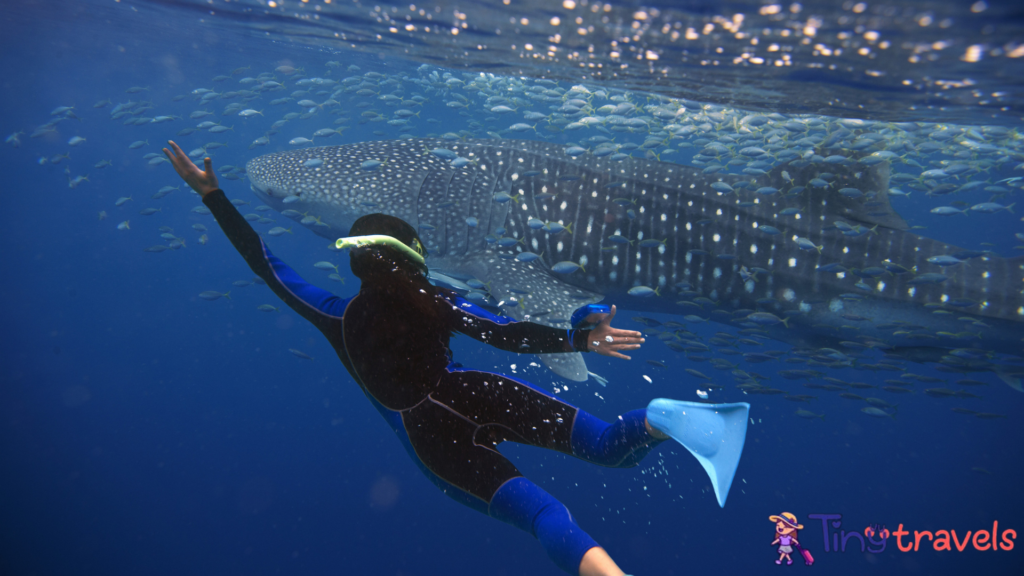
(145, 430)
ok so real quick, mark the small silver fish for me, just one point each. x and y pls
(300, 354)
(211, 295)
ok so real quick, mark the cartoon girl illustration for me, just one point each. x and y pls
(785, 535)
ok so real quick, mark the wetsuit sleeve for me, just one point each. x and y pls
(319, 306)
(507, 334)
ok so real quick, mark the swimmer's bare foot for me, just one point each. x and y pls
(654, 432)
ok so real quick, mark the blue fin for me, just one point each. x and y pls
(713, 433)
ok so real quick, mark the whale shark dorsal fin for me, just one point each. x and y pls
(871, 209)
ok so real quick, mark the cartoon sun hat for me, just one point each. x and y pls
(788, 519)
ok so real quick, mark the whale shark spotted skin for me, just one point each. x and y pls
(836, 266)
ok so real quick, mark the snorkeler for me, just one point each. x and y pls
(393, 338)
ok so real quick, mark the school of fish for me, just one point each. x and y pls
(962, 171)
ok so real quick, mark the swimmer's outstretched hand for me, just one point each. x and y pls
(203, 182)
(607, 341)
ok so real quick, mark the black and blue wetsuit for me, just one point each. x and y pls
(451, 419)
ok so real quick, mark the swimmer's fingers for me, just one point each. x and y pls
(624, 346)
(202, 181)
(211, 176)
(630, 335)
(182, 164)
(605, 326)
(607, 320)
(608, 341)
(606, 335)
(612, 350)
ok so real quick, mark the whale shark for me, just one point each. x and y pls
(808, 253)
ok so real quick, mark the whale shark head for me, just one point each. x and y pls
(342, 183)
(402, 178)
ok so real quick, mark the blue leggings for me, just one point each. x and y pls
(453, 435)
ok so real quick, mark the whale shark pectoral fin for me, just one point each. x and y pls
(1011, 380)
(570, 366)
(528, 292)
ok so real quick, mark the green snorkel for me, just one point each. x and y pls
(382, 240)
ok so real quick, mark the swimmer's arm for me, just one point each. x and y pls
(320, 307)
(529, 338)
(312, 303)
(506, 334)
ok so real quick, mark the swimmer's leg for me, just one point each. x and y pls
(621, 444)
(513, 410)
(526, 506)
(446, 446)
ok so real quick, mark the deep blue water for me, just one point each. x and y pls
(146, 431)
